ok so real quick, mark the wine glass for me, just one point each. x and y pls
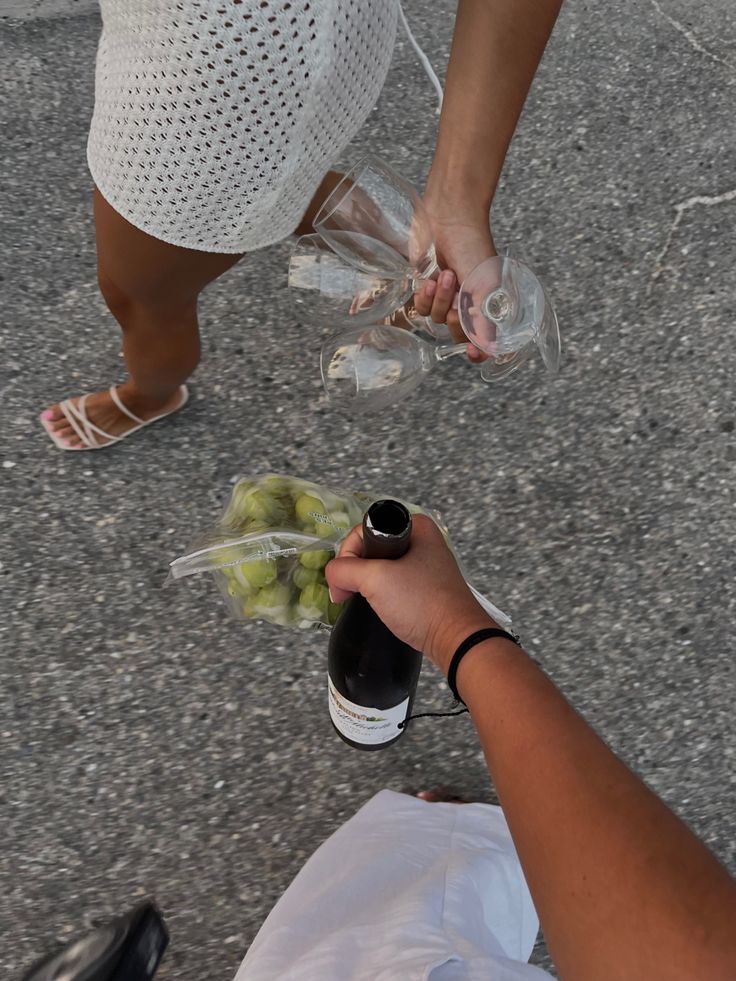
(326, 289)
(369, 368)
(505, 312)
(376, 221)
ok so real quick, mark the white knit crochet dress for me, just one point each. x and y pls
(216, 120)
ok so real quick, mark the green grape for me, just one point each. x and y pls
(314, 559)
(324, 530)
(256, 573)
(240, 585)
(240, 491)
(333, 502)
(243, 487)
(298, 487)
(279, 486)
(254, 504)
(272, 601)
(249, 607)
(307, 507)
(262, 506)
(303, 577)
(232, 520)
(333, 612)
(341, 521)
(279, 489)
(313, 602)
(254, 527)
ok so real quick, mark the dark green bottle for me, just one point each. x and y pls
(372, 675)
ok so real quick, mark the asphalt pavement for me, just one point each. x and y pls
(151, 746)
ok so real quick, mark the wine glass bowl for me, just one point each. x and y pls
(325, 287)
(548, 339)
(368, 368)
(504, 311)
(376, 220)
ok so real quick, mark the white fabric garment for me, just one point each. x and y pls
(404, 891)
(216, 120)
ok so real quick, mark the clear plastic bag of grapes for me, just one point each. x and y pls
(270, 547)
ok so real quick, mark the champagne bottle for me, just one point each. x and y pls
(371, 674)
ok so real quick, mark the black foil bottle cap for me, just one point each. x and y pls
(386, 530)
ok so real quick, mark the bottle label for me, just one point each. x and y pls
(370, 726)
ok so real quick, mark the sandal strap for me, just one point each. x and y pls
(69, 411)
(87, 431)
(75, 413)
(123, 408)
(81, 410)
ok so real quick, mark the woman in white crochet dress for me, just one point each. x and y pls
(215, 123)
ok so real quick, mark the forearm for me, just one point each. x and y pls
(497, 46)
(622, 887)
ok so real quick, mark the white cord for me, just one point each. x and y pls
(503, 619)
(430, 72)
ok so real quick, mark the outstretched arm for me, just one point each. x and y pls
(624, 890)
(496, 49)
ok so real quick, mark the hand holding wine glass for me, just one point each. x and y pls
(463, 239)
(375, 221)
(325, 288)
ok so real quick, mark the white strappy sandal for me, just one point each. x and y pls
(76, 416)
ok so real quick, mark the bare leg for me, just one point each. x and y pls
(331, 180)
(152, 289)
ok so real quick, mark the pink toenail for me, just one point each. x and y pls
(48, 414)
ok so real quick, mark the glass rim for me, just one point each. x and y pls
(310, 236)
(338, 193)
(310, 243)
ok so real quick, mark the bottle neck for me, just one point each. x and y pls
(386, 530)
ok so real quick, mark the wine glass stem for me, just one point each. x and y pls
(449, 351)
(497, 305)
(431, 272)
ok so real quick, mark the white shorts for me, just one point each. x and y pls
(404, 891)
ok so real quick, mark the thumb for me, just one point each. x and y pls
(346, 576)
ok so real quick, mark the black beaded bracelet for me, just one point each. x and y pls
(478, 637)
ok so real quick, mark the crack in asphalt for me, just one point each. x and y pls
(698, 200)
(691, 37)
